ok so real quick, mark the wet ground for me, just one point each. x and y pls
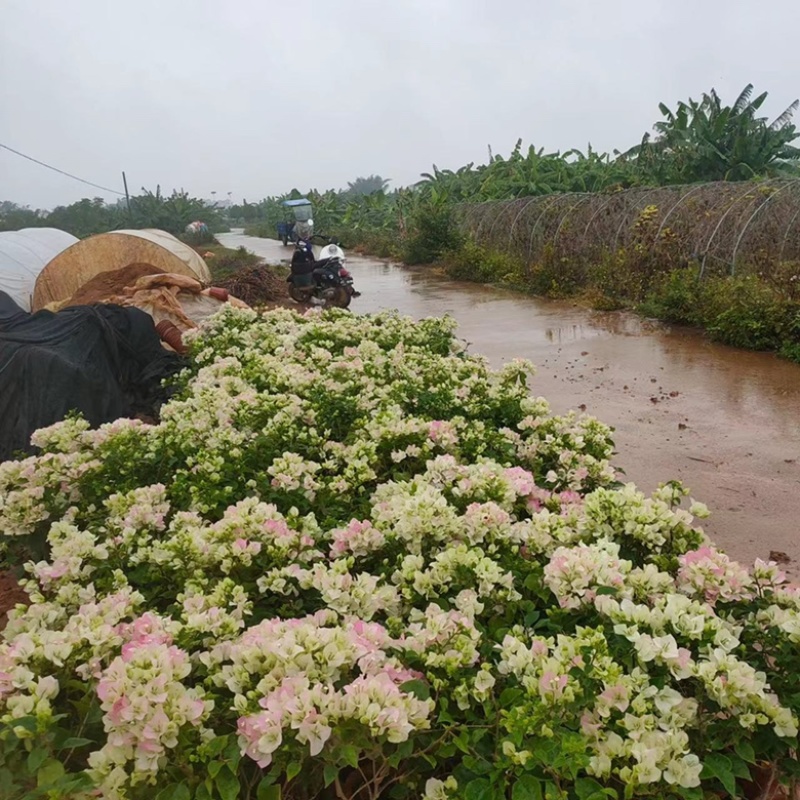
(724, 421)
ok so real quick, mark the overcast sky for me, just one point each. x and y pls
(254, 97)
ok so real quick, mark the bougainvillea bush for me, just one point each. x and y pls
(352, 561)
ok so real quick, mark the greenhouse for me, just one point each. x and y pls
(108, 252)
(23, 256)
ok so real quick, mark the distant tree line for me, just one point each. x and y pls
(699, 141)
(87, 217)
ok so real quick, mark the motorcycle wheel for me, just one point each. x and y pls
(300, 295)
(340, 297)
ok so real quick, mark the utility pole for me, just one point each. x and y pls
(127, 196)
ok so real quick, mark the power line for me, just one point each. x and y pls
(61, 171)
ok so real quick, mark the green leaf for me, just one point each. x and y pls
(36, 758)
(73, 786)
(745, 750)
(510, 697)
(217, 745)
(418, 688)
(293, 770)
(609, 590)
(73, 742)
(227, 784)
(739, 768)
(527, 788)
(394, 760)
(176, 791)
(49, 772)
(446, 750)
(351, 755)
(630, 790)
(6, 780)
(214, 767)
(532, 582)
(233, 752)
(203, 791)
(531, 617)
(587, 788)
(268, 791)
(791, 768)
(27, 723)
(94, 714)
(479, 789)
(406, 748)
(479, 734)
(718, 766)
(477, 766)
(462, 743)
(329, 774)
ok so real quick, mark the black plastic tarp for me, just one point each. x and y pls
(102, 361)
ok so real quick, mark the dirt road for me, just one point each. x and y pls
(724, 421)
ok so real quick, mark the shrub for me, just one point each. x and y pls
(757, 312)
(352, 561)
(475, 263)
(196, 238)
(678, 298)
(264, 230)
(746, 313)
(434, 232)
(379, 244)
(225, 262)
(791, 351)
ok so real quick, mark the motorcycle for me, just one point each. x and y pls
(321, 279)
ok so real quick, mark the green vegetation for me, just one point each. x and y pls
(742, 311)
(376, 222)
(471, 262)
(643, 262)
(750, 311)
(707, 141)
(651, 267)
(225, 261)
(700, 141)
(171, 213)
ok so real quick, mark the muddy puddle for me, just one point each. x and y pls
(724, 421)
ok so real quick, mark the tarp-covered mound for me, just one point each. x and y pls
(177, 299)
(103, 361)
(107, 284)
(108, 252)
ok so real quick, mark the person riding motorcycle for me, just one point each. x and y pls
(303, 260)
(325, 280)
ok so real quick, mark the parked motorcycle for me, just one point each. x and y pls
(320, 278)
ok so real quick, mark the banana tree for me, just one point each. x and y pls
(705, 141)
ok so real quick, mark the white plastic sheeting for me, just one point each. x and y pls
(23, 255)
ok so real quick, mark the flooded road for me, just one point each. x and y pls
(724, 421)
